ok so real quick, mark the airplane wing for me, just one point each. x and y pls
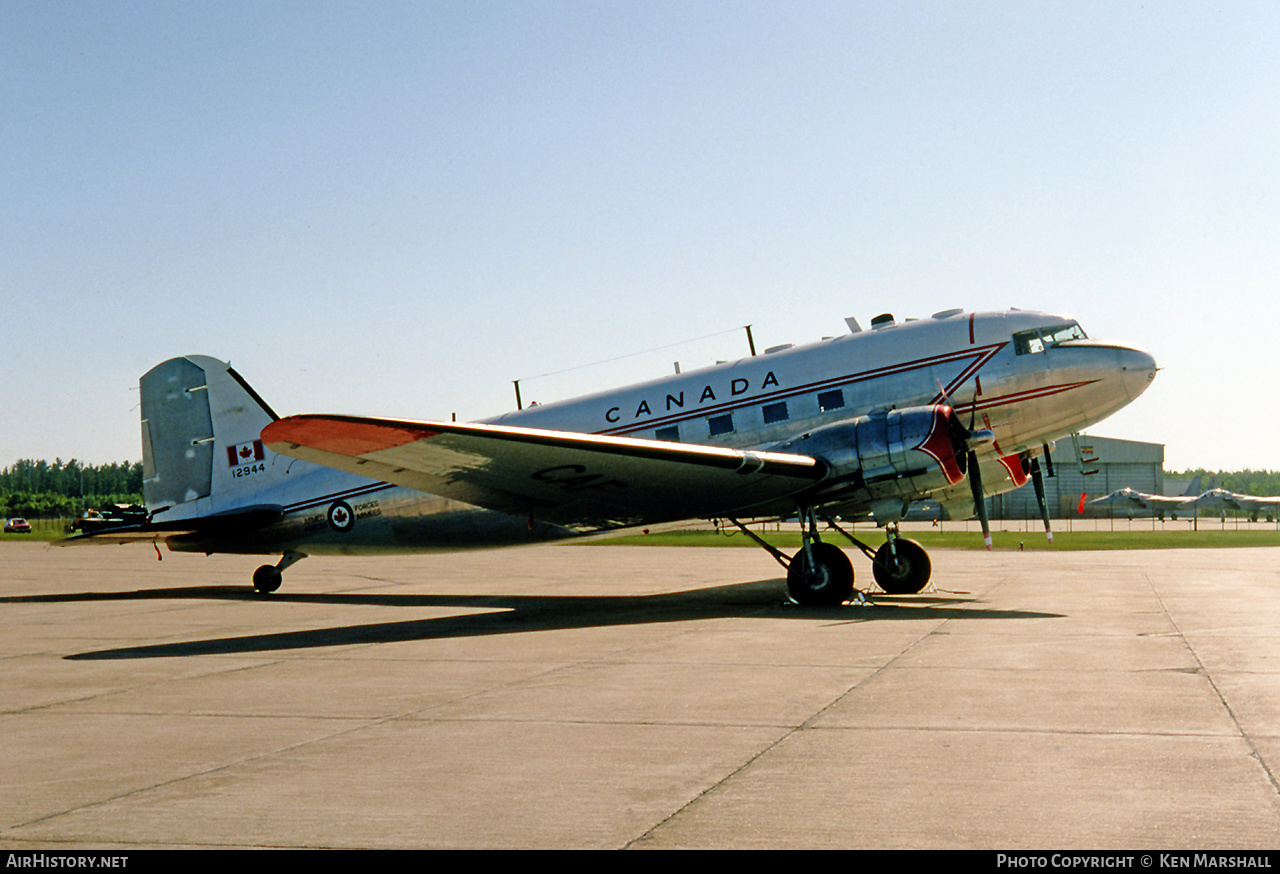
(1133, 499)
(1214, 500)
(1223, 498)
(584, 482)
(1126, 497)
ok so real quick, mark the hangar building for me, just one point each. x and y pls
(1118, 463)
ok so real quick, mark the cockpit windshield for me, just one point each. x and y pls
(1040, 339)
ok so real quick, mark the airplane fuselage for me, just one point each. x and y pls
(970, 359)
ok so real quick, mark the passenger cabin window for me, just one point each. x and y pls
(775, 413)
(830, 400)
(1040, 339)
(672, 434)
(717, 425)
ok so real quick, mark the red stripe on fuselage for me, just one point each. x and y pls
(1030, 395)
(976, 365)
(983, 353)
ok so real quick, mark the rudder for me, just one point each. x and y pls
(202, 451)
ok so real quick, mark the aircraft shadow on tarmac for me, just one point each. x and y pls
(515, 614)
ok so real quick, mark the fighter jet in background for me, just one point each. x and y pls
(1131, 502)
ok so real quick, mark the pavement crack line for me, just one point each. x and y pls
(793, 730)
(364, 724)
(1254, 752)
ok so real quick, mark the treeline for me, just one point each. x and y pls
(1262, 483)
(42, 489)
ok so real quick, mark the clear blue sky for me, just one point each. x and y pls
(397, 208)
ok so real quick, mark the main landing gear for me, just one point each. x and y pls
(820, 574)
(267, 578)
(901, 566)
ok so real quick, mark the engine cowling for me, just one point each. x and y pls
(885, 460)
(999, 474)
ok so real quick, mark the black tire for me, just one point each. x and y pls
(909, 574)
(829, 585)
(267, 579)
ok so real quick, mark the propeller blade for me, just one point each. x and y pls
(971, 438)
(979, 498)
(1037, 480)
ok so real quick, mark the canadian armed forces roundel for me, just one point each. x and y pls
(340, 516)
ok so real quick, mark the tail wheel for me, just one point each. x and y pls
(829, 583)
(905, 572)
(267, 579)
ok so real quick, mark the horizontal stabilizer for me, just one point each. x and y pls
(243, 520)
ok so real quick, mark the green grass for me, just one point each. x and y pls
(1002, 540)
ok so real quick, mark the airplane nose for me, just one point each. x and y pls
(1137, 369)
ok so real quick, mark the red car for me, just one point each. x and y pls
(17, 525)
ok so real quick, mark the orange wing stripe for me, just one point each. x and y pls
(341, 437)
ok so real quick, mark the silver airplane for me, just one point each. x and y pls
(954, 407)
(1220, 500)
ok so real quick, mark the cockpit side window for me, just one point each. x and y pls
(1040, 339)
(1027, 341)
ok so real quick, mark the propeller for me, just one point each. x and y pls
(971, 438)
(979, 499)
(1037, 480)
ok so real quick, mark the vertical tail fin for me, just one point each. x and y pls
(201, 447)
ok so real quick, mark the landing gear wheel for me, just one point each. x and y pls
(267, 579)
(829, 584)
(906, 575)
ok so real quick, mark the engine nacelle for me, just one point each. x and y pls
(1000, 474)
(886, 460)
